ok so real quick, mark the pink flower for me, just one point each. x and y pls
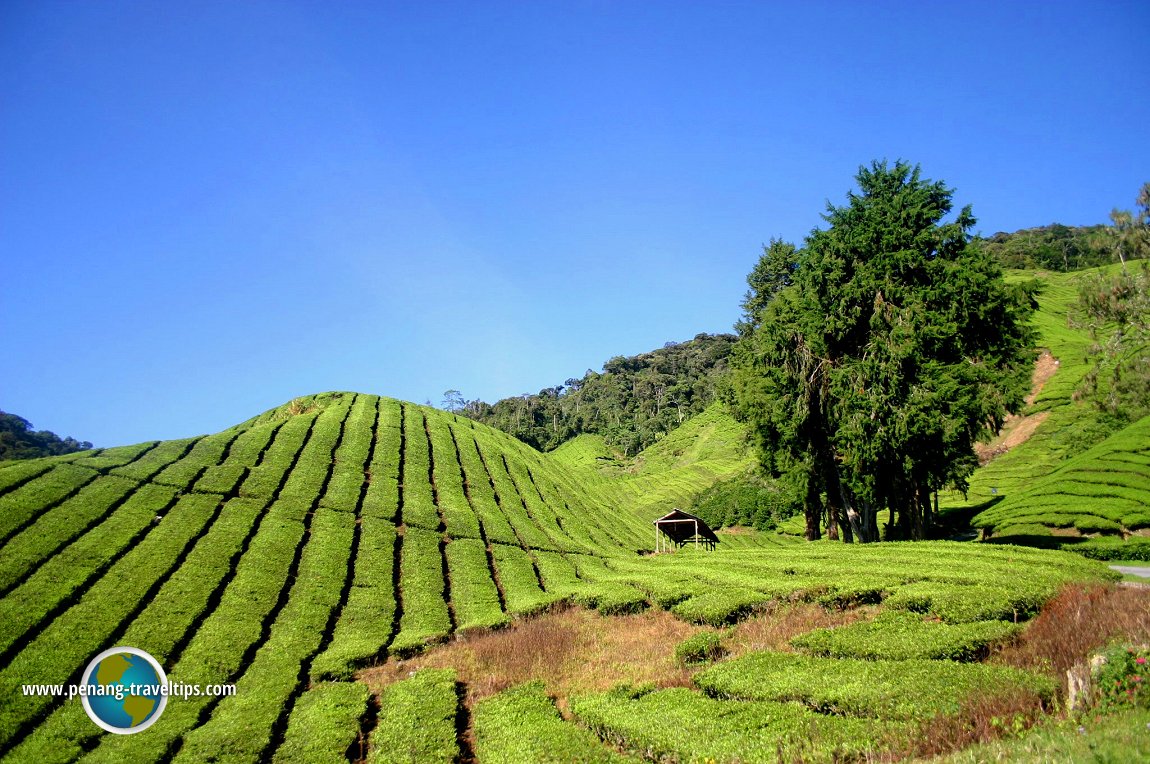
(1140, 661)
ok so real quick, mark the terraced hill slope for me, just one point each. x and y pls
(283, 554)
(326, 533)
(1061, 481)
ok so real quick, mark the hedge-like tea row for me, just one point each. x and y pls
(16, 473)
(510, 503)
(521, 590)
(59, 526)
(364, 626)
(222, 479)
(116, 457)
(495, 524)
(324, 724)
(418, 503)
(473, 592)
(719, 607)
(218, 652)
(417, 720)
(263, 480)
(458, 516)
(207, 452)
(910, 689)
(900, 636)
(62, 649)
(425, 616)
(22, 504)
(155, 460)
(558, 573)
(353, 455)
(306, 481)
(382, 495)
(241, 725)
(682, 725)
(63, 574)
(523, 726)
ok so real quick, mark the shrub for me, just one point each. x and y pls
(911, 689)
(720, 607)
(703, 647)
(1122, 679)
(1110, 548)
(417, 720)
(900, 636)
(523, 725)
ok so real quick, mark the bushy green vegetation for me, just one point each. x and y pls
(19, 441)
(523, 726)
(884, 689)
(679, 724)
(904, 636)
(703, 647)
(417, 720)
(632, 403)
(324, 724)
(284, 555)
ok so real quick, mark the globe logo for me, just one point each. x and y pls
(123, 690)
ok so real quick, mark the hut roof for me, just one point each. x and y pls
(678, 526)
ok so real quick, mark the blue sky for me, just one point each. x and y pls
(209, 208)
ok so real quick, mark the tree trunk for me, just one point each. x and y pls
(812, 507)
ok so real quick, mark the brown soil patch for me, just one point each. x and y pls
(572, 651)
(578, 651)
(736, 530)
(1018, 429)
(1073, 532)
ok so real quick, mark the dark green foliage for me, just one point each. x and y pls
(523, 726)
(895, 348)
(632, 402)
(19, 441)
(750, 499)
(910, 689)
(417, 720)
(901, 636)
(704, 647)
(324, 724)
(1133, 548)
(1053, 247)
(1116, 309)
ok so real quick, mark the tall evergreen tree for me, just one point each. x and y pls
(896, 347)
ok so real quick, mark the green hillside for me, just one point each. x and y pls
(344, 530)
(1062, 480)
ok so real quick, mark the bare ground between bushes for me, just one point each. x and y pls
(1018, 428)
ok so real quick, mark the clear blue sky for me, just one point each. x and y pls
(208, 208)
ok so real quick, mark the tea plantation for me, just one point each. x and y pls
(343, 531)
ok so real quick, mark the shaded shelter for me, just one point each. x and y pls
(683, 528)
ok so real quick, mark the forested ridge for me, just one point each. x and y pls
(631, 403)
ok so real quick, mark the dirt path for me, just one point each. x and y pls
(1018, 429)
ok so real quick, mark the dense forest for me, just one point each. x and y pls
(19, 441)
(632, 402)
(1052, 247)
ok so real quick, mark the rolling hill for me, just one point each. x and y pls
(342, 530)
(1071, 478)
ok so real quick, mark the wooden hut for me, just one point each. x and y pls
(679, 527)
